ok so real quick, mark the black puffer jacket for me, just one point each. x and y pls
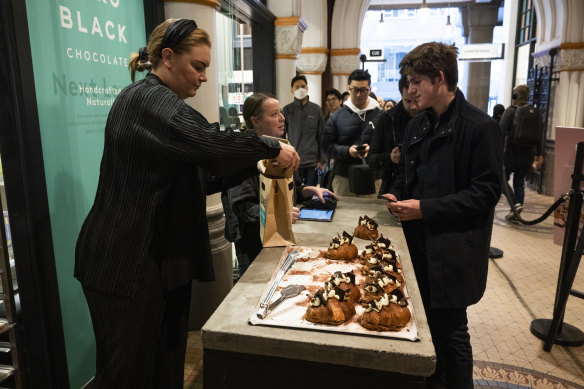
(344, 129)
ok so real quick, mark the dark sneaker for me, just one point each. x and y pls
(511, 218)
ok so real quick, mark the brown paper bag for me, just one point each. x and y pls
(276, 201)
(274, 172)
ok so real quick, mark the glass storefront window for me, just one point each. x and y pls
(234, 69)
(523, 56)
(400, 32)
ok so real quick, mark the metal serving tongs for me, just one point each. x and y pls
(290, 260)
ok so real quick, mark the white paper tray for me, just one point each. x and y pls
(312, 274)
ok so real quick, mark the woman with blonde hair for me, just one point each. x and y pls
(146, 236)
(262, 115)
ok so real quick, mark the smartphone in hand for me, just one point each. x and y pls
(388, 199)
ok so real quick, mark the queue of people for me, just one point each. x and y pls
(146, 236)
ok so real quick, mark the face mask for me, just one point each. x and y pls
(300, 93)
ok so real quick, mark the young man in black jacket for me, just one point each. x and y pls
(388, 135)
(448, 184)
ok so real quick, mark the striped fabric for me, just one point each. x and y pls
(153, 140)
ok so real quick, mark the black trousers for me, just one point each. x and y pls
(141, 341)
(448, 326)
(307, 176)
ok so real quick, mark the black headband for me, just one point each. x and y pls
(176, 32)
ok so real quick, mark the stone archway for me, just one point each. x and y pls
(346, 25)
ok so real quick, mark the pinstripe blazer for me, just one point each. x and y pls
(150, 184)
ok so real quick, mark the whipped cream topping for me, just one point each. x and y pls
(377, 305)
(321, 297)
(336, 293)
(348, 277)
(341, 240)
(369, 249)
(383, 242)
(336, 243)
(372, 288)
(375, 272)
(367, 222)
(401, 300)
(395, 297)
(384, 280)
(318, 299)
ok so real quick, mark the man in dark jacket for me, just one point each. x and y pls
(344, 131)
(304, 124)
(518, 157)
(388, 135)
(448, 184)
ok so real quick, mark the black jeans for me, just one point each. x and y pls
(518, 161)
(448, 326)
(449, 329)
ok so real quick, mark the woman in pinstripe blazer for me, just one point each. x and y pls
(146, 236)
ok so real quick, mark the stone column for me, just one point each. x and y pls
(343, 62)
(288, 42)
(207, 296)
(569, 108)
(479, 22)
(312, 63)
(313, 56)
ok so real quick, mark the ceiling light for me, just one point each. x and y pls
(449, 29)
(424, 13)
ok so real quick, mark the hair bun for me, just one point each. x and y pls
(143, 54)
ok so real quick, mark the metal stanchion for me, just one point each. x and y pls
(555, 330)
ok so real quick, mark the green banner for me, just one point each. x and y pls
(80, 53)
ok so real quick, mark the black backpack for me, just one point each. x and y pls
(526, 128)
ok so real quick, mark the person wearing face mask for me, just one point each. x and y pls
(146, 236)
(388, 134)
(262, 115)
(345, 139)
(304, 125)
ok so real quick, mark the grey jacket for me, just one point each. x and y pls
(304, 126)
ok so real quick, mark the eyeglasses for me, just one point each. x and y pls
(359, 91)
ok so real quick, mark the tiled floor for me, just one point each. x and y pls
(521, 287)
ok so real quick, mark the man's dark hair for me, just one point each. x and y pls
(332, 91)
(403, 84)
(359, 75)
(498, 109)
(345, 93)
(428, 59)
(296, 78)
